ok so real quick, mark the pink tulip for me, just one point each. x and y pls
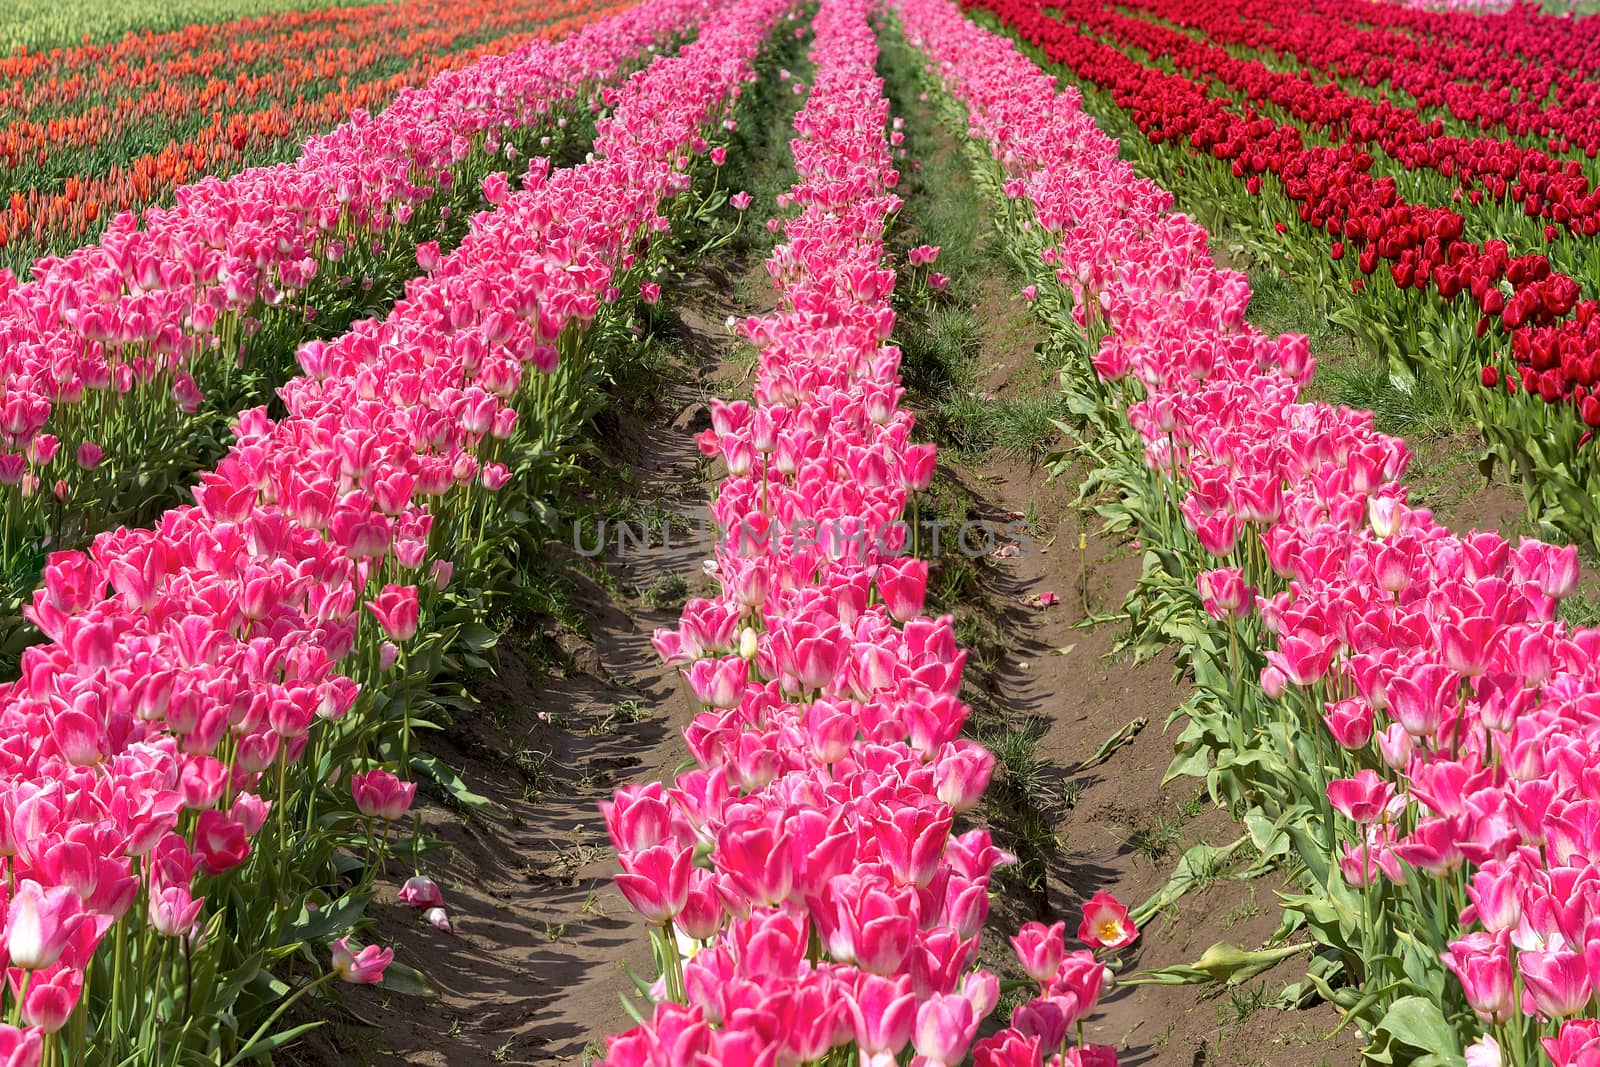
(963, 770)
(1484, 1052)
(1577, 1044)
(944, 1029)
(883, 1012)
(703, 913)
(1362, 798)
(1483, 965)
(173, 911)
(420, 891)
(719, 683)
(1105, 923)
(396, 609)
(1080, 975)
(495, 188)
(1048, 1019)
(1008, 1048)
(903, 586)
(655, 881)
(40, 922)
(363, 967)
(637, 817)
(52, 997)
(379, 794)
(1556, 983)
(1350, 722)
(875, 926)
(90, 455)
(220, 841)
(21, 1048)
(1040, 950)
(1224, 593)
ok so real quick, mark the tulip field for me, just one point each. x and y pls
(1055, 613)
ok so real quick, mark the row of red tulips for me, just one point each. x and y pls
(1553, 194)
(1482, 86)
(811, 899)
(216, 738)
(1333, 187)
(1539, 38)
(1262, 171)
(1421, 733)
(109, 352)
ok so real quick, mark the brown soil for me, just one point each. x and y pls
(1445, 476)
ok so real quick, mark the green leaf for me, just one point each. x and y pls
(449, 781)
(271, 1042)
(1418, 1023)
(478, 637)
(1195, 764)
(1114, 742)
(1198, 863)
(335, 918)
(407, 981)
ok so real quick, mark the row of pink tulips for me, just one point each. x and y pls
(201, 744)
(811, 899)
(107, 352)
(1422, 712)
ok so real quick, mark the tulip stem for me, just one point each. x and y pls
(22, 993)
(276, 1015)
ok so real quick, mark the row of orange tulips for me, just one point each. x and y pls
(124, 146)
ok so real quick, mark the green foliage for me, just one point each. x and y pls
(41, 24)
(1400, 405)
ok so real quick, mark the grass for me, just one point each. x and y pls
(1581, 609)
(1242, 1002)
(940, 334)
(41, 24)
(1156, 841)
(1401, 407)
(622, 713)
(976, 423)
(667, 591)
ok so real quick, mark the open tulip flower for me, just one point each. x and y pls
(1106, 924)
